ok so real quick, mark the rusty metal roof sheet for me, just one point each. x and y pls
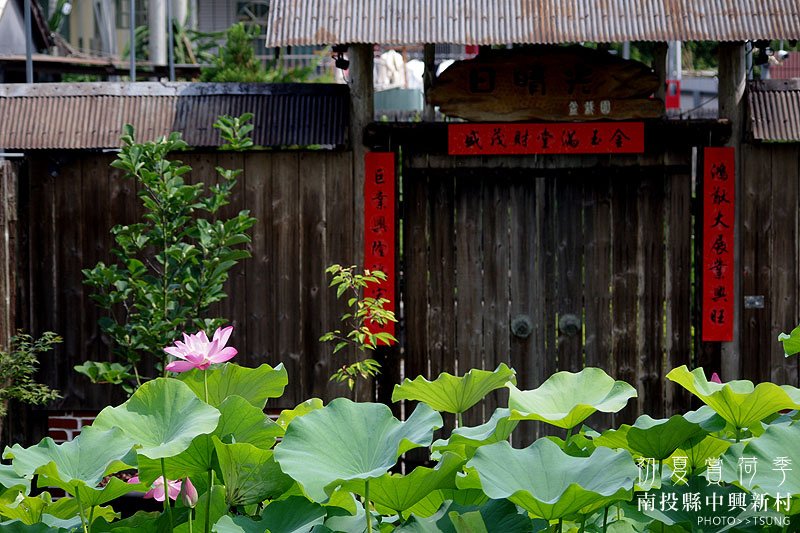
(397, 22)
(775, 110)
(91, 115)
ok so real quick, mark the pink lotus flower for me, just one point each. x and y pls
(189, 493)
(157, 492)
(198, 352)
(715, 378)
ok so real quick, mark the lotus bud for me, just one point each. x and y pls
(188, 493)
(715, 378)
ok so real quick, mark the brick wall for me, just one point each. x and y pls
(64, 426)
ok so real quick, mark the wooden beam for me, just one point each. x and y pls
(428, 77)
(660, 68)
(362, 113)
(732, 82)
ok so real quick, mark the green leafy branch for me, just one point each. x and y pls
(363, 311)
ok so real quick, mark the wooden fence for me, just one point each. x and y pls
(770, 258)
(544, 263)
(549, 270)
(278, 300)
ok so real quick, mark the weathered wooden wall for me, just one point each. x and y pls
(500, 254)
(770, 258)
(8, 246)
(278, 300)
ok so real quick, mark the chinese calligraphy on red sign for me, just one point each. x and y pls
(558, 138)
(379, 228)
(718, 244)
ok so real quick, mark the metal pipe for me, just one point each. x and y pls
(28, 43)
(132, 45)
(170, 42)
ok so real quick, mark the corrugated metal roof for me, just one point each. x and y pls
(91, 115)
(396, 22)
(775, 110)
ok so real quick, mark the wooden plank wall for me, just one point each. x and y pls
(508, 260)
(279, 301)
(770, 258)
(8, 250)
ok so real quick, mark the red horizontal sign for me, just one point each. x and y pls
(556, 138)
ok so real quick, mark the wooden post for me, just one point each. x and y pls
(8, 240)
(429, 111)
(362, 112)
(660, 67)
(732, 81)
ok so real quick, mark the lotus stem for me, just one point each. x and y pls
(208, 501)
(566, 440)
(205, 383)
(191, 512)
(91, 516)
(80, 510)
(459, 420)
(366, 507)
(560, 525)
(583, 525)
(605, 519)
(167, 507)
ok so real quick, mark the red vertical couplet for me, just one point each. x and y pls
(379, 228)
(719, 214)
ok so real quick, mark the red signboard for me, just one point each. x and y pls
(718, 243)
(379, 228)
(556, 138)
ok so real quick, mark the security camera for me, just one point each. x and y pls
(781, 55)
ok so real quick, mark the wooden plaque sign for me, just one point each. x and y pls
(719, 215)
(547, 83)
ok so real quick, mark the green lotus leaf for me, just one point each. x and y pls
(398, 493)
(495, 516)
(470, 522)
(566, 399)
(162, 416)
(648, 437)
(251, 474)
(658, 439)
(256, 385)
(779, 445)
(430, 504)
(550, 484)
(451, 394)
(218, 509)
(465, 440)
(740, 403)
(17, 526)
(238, 524)
(27, 509)
(80, 465)
(140, 522)
(65, 509)
(791, 342)
(697, 450)
(239, 422)
(10, 479)
(287, 415)
(347, 440)
(293, 515)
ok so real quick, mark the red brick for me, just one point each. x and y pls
(62, 422)
(58, 435)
